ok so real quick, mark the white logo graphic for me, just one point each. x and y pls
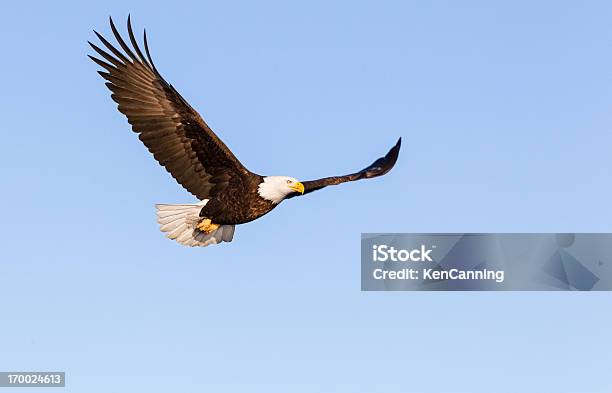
(383, 253)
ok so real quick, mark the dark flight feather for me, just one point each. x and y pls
(171, 129)
(377, 168)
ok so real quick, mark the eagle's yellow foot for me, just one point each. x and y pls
(207, 226)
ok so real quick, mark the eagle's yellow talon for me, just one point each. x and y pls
(207, 226)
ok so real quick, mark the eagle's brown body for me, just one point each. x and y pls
(232, 208)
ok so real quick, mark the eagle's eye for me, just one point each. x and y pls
(289, 182)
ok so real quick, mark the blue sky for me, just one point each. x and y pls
(504, 110)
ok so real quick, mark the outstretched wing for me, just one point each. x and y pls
(171, 129)
(377, 168)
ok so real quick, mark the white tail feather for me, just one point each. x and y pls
(180, 221)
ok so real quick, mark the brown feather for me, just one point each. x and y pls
(171, 129)
(377, 168)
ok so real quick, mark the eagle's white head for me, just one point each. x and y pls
(276, 188)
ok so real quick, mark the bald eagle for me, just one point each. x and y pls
(182, 142)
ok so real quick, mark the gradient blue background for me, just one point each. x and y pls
(504, 108)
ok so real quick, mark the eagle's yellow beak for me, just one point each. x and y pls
(299, 187)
